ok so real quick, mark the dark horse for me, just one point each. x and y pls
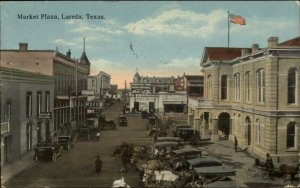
(289, 170)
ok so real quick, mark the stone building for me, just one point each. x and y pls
(254, 94)
(26, 107)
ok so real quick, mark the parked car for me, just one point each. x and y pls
(66, 141)
(47, 151)
(189, 134)
(123, 120)
(180, 126)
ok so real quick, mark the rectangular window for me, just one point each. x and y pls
(47, 101)
(237, 86)
(261, 88)
(209, 80)
(39, 103)
(224, 87)
(7, 112)
(28, 104)
(247, 86)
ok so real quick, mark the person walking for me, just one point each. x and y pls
(235, 143)
(98, 165)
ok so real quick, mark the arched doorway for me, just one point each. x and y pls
(224, 123)
(248, 130)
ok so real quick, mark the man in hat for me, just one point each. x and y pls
(98, 165)
(269, 162)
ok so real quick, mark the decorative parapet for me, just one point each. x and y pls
(4, 128)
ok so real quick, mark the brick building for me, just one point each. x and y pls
(70, 79)
(25, 96)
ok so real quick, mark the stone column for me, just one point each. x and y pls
(215, 136)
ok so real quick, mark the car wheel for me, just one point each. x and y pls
(54, 157)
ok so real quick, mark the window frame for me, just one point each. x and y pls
(293, 86)
(224, 87)
(261, 86)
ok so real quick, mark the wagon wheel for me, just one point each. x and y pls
(265, 173)
(54, 157)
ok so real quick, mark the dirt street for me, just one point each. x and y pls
(75, 168)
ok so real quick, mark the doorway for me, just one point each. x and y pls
(224, 123)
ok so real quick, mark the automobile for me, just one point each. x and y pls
(66, 141)
(180, 126)
(123, 120)
(189, 134)
(157, 132)
(169, 139)
(47, 151)
(204, 162)
(179, 157)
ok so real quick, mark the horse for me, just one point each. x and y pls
(289, 170)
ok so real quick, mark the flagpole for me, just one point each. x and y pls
(228, 29)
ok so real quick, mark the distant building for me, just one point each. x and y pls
(156, 94)
(100, 84)
(148, 85)
(27, 102)
(194, 85)
(253, 94)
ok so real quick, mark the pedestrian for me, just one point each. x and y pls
(98, 165)
(235, 143)
(269, 162)
(98, 135)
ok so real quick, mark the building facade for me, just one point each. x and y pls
(70, 79)
(152, 85)
(27, 100)
(253, 94)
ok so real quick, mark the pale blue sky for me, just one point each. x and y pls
(168, 37)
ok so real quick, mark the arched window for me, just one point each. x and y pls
(237, 86)
(261, 86)
(257, 131)
(292, 86)
(247, 86)
(290, 135)
(224, 87)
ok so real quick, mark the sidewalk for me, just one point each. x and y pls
(10, 170)
(241, 161)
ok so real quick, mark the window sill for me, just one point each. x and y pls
(291, 150)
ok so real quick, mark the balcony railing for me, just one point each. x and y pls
(4, 127)
(200, 103)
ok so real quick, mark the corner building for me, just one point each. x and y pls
(253, 94)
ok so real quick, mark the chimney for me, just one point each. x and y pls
(244, 51)
(69, 53)
(254, 48)
(272, 42)
(23, 46)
